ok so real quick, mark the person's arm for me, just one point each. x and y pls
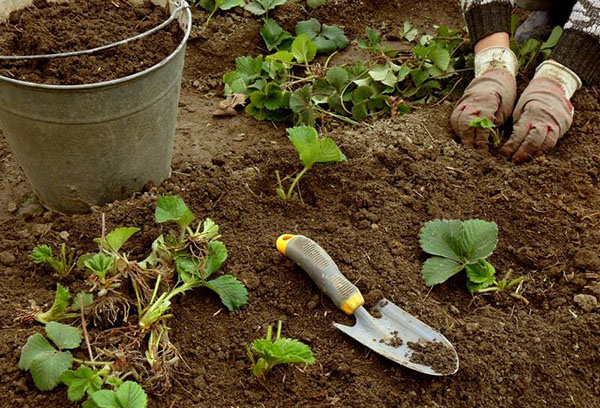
(493, 92)
(544, 112)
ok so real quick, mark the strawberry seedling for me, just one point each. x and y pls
(60, 307)
(457, 246)
(45, 362)
(311, 150)
(271, 352)
(62, 264)
(484, 123)
(197, 255)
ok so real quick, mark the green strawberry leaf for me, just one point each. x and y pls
(83, 380)
(443, 238)
(437, 270)
(115, 239)
(327, 38)
(232, 292)
(273, 34)
(173, 208)
(216, 255)
(313, 150)
(63, 335)
(59, 307)
(480, 239)
(302, 105)
(304, 49)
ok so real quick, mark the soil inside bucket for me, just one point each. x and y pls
(48, 28)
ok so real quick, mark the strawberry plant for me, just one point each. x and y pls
(45, 362)
(288, 85)
(312, 150)
(62, 264)
(457, 246)
(485, 123)
(271, 352)
(50, 365)
(196, 254)
(60, 308)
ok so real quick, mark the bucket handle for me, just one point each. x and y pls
(101, 48)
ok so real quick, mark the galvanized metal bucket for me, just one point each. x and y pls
(85, 145)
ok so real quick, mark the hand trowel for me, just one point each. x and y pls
(393, 334)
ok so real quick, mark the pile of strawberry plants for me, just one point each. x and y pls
(138, 350)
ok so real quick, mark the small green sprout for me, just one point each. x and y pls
(62, 265)
(100, 264)
(485, 123)
(505, 285)
(311, 150)
(279, 351)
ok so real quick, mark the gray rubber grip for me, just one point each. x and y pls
(323, 271)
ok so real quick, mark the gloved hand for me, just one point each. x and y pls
(544, 112)
(542, 116)
(490, 95)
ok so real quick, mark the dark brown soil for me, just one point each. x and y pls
(48, 28)
(366, 213)
(433, 354)
(393, 340)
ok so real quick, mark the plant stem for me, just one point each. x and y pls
(92, 363)
(335, 115)
(156, 286)
(298, 177)
(269, 332)
(84, 328)
(279, 324)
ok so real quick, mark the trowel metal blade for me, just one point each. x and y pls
(381, 334)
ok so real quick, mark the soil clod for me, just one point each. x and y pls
(440, 358)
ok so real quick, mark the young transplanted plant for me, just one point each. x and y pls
(197, 255)
(62, 264)
(279, 351)
(485, 123)
(459, 245)
(311, 150)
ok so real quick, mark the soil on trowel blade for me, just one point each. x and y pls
(49, 28)
(440, 358)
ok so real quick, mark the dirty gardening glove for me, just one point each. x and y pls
(543, 113)
(490, 95)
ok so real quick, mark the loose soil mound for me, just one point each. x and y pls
(48, 28)
(366, 213)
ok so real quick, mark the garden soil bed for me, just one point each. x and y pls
(366, 213)
(49, 28)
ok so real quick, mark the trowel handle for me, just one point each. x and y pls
(322, 270)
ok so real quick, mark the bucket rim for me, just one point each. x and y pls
(182, 44)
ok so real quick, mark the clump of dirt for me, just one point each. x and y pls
(393, 340)
(49, 28)
(434, 354)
